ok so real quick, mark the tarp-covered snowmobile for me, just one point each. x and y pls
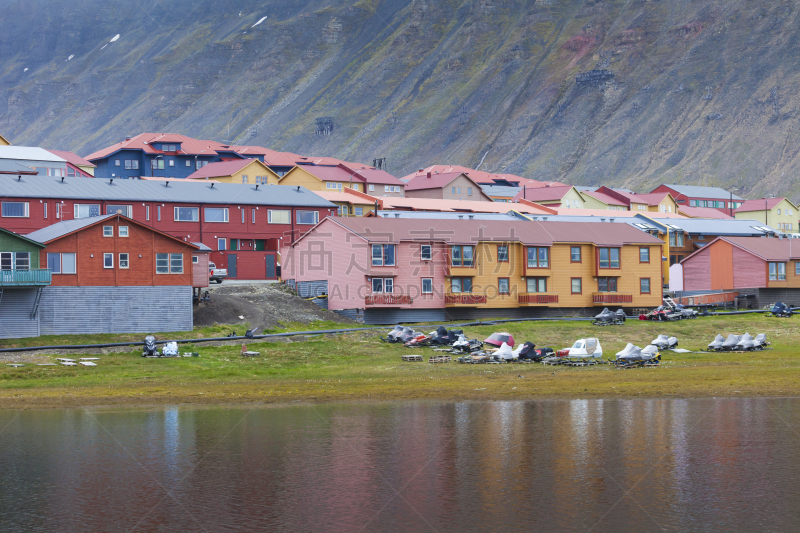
(497, 339)
(781, 310)
(716, 344)
(663, 342)
(633, 356)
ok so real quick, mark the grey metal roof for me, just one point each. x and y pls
(59, 229)
(8, 166)
(157, 191)
(29, 153)
(711, 226)
(697, 191)
(448, 215)
(500, 190)
(203, 247)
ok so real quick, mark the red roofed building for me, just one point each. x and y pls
(76, 165)
(482, 177)
(447, 186)
(360, 178)
(237, 171)
(558, 196)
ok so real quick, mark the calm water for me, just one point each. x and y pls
(596, 465)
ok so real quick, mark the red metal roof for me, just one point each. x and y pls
(435, 181)
(603, 197)
(73, 158)
(479, 176)
(759, 205)
(702, 212)
(465, 206)
(768, 249)
(472, 231)
(145, 141)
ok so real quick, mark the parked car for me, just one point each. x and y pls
(217, 274)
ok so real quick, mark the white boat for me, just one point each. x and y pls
(585, 350)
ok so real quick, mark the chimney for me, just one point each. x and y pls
(421, 170)
(127, 137)
(429, 174)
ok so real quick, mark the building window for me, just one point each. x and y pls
(469, 191)
(538, 257)
(116, 163)
(119, 210)
(644, 285)
(452, 190)
(188, 163)
(502, 253)
(576, 285)
(172, 162)
(644, 254)
(679, 239)
(127, 164)
(87, 210)
(108, 231)
(777, 271)
(220, 245)
(123, 231)
(190, 214)
(123, 260)
(157, 164)
(195, 260)
(44, 206)
(58, 210)
(383, 285)
(672, 238)
(169, 263)
(502, 286)
(537, 285)
(575, 254)
(307, 217)
(15, 209)
(359, 211)
(371, 187)
(54, 263)
(244, 178)
(383, 254)
(108, 260)
(425, 252)
(797, 268)
(216, 214)
(15, 261)
(427, 285)
(462, 255)
(606, 284)
(692, 203)
(278, 216)
(609, 257)
(458, 285)
(147, 212)
(158, 213)
(240, 209)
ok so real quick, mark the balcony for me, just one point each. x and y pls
(605, 298)
(389, 299)
(25, 278)
(537, 298)
(464, 299)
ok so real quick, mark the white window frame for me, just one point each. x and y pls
(316, 217)
(44, 206)
(53, 270)
(77, 207)
(74, 263)
(224, 242)
(244, 178)
(124, 233)
(126, 261)
(224, 211)
(280, 211)
(127, 213)
(107, 256)
(172, 162)
(173, 257)
(195, 210)
(430, 282)
(422, 254)
(27, 210)
(147, 212)
(108, 231)
(359, 211)
(371, 187)
(195, 259)
(253, 211)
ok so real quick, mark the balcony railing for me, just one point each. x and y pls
(388, 299)
(602, 298)
(538, 298)
(464, 299)
(16, 278)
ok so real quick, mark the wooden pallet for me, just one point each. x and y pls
(412, 358)
(440, 359)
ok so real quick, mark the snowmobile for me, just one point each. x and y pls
(583, 351)
(730, 343)
(633, 356)
(419, 339)
(781, 310)
(621, 316)
(716, 344)
(394, 334)
(464, 345)
(504, 353)
(663, 342)
(150, 349)
(760, 342)
(662, 313)
(685, 312)
(605, 318)
(745, 343)
(444, 337)
(497, 339)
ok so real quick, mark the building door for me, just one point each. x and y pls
(231, 265)
(270, 266)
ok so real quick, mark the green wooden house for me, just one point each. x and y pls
(21, 284)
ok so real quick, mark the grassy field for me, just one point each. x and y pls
(358, 366)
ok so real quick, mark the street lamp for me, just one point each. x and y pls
(153, 165)
(730, 203)
(766, 210)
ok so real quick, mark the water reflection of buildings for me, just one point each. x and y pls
(533, 466)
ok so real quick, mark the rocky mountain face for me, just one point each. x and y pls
(626, 92)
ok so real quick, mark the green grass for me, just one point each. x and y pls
(358, 366)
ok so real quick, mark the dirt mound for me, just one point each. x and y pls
(264, 306)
